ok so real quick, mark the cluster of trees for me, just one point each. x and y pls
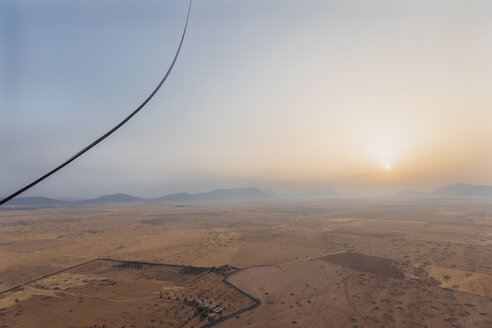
(193, 270)
(203, 311)
(133, 265)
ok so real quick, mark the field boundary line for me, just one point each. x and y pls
(208, 325)
(48, 275)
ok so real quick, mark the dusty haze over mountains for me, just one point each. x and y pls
(285, 95)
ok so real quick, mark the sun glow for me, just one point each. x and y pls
(387, 167)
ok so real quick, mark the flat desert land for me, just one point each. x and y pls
(341, 293)
(347, 263)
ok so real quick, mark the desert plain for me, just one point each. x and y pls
(311, 263)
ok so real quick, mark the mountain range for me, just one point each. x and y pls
(236, 194)
(459, 190)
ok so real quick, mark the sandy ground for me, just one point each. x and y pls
(447, 243)
(318, 293)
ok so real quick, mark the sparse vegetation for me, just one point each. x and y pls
(436, 277)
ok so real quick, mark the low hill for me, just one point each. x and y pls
(458, 190)
(238, 194)
(218, 195)
(36, 201)
(464, 190)
(113, 198)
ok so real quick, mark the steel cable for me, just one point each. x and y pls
(107, 134)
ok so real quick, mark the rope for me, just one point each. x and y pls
(107, 134)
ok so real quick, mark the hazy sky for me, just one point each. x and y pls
(284, 94)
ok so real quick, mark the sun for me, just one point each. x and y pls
(387, 167)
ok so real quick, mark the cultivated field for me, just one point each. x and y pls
(107, 293)
(359, 263)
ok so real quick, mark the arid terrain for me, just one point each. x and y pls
(122, 294)
(332, 263)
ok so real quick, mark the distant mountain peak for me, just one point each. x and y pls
(464, 190)
(249, 193)
(36, 201)
(457, 190)
(112, 198)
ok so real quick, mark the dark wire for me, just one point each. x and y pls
(107, 134)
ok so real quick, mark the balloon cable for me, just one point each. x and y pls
(107, 134)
